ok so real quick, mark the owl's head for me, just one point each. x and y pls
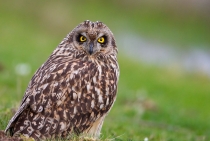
(93, 38)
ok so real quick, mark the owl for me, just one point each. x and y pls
(74, 90)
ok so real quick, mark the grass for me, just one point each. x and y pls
(161, 104)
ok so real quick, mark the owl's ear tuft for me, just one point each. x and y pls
(92, 25)
(86, 23)
(99, 24)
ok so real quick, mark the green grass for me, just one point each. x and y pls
(162, 104)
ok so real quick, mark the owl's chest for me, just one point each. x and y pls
(94, 78)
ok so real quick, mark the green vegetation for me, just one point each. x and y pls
(161, 104)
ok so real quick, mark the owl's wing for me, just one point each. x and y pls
(47, 83)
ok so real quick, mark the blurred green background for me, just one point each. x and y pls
(164, 57)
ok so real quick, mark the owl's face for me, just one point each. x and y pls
(94, 38)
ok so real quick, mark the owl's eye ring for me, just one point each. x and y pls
(101, 40)
(82, 38)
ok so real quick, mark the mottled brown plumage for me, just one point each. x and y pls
(74, 89)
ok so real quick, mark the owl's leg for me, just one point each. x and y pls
(95, 129)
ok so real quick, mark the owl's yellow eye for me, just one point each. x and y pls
(101, 40)
(82, 38)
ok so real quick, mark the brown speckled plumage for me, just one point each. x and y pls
(74, 89)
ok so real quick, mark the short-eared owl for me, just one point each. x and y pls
(74, 89)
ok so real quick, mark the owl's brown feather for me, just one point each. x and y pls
(71, 92)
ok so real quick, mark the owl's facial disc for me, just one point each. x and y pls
(91, 42)
(94, 38)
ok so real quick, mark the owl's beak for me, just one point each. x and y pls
(91, 48)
